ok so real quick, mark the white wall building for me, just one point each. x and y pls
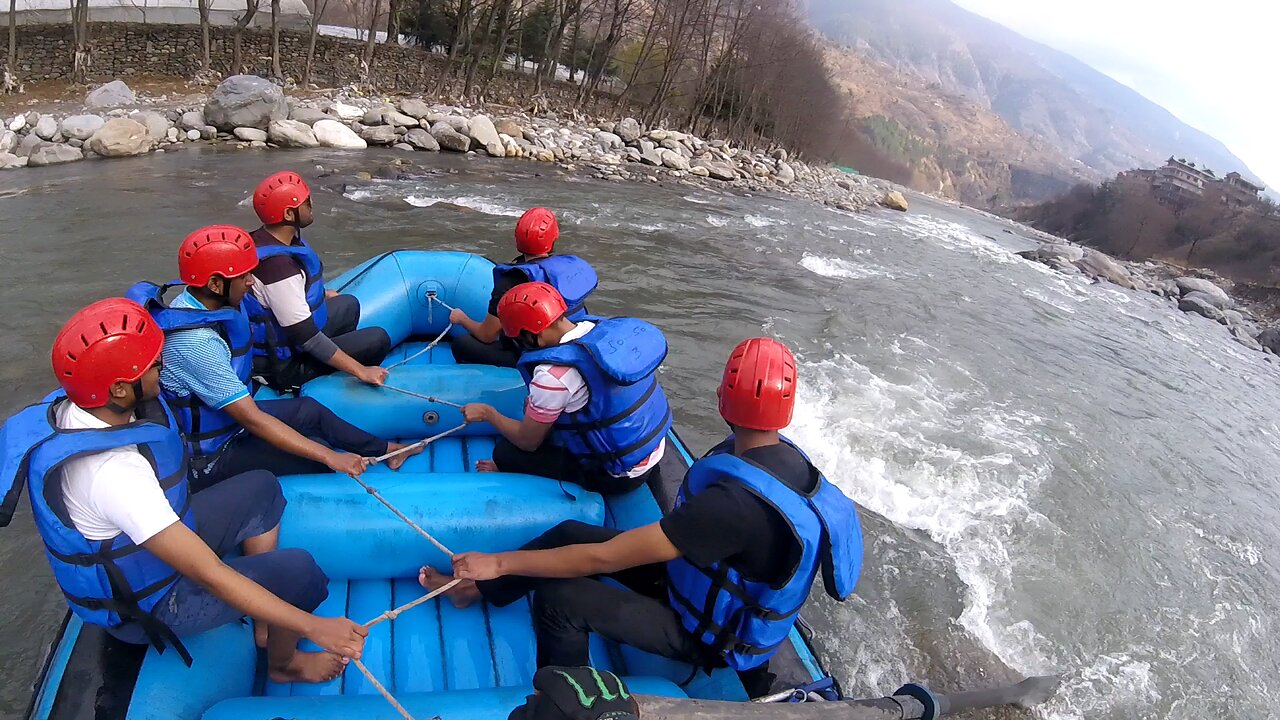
(293, 13)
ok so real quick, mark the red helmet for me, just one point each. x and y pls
(111, 341)
(537, 231)
(224, 250)
(758, 390)
(280, 192)
(530, 307)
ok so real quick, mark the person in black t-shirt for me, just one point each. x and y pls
(720, 580)
(574, 278)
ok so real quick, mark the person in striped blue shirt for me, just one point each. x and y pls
(205, 377)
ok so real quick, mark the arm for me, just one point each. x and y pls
(642, 546)
(284, 288)
(185, 552)
(485, 332)
(526, 433)
(343, 362)
(259, 424)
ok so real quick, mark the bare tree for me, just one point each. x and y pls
(311, 41)
(393, 22)
(242, 22)
(80, 32)
(275, 40)
(366, 61)
(13, 36)
(202, 7)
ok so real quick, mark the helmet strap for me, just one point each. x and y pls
(116, 407)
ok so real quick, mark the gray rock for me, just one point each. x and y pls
(398, 119)
(192, 120)
(403, 147)
(1199, 303)
(459, 124)
(450, 139)
(193, 135)
(245, 101)
(250, 134)
(171, 135)
(292, 134)
(17, 123)
(53, 154)
(9, 161)
(608, 140)
(1242, 336)
(379, 135)
(208, 132)
(27, 144)
(421, 139)
(45, 127)
(510, 128)
(1270, 339)
(78, 127)
(647, 146)
(309, 116)
(785, 175)
(157, 125)
(121, 137)
(33, 117)
(372, 117)
(674, 160)
(8, 140)
(332, 133)
(1220, 299)
(1098, 265)
(414, 108)
(779, 154)
(628, 130)
(717, 170)
(652, 156)
(633, 155)
(75, 143)
(1233, 318)
(113, 94)
(484, 133)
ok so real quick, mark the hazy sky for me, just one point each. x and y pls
(1215, 64)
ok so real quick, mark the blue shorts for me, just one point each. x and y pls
(227, 514)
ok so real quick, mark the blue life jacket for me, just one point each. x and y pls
(570, 275)
(106, 582)
(206, 429)
(269, 340)
(627, 415)
(745, 621)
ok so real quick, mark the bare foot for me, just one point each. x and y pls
(259, 634)
(395, 462)
(486, 466)
(462, 594)
(308, 667)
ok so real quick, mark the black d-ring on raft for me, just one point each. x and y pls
(431, 417)
(924, 696)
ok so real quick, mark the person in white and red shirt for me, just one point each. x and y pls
(593, 393)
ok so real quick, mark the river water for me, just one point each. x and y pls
(1056, 477)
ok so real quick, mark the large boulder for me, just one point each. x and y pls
(399, 119)
(1201, 304)
(674, 160)
(421, 139)
(507, 126)
(486, 135)
(113, 94)
(192, 120)
(651, 156)
(157, 124)
(77, 127)
(628, 130)
(309, 116)
(28, 143)
(610, 141)
(245, 101)
(46, 127)
(8, 140)
(52, 154)
(786, 175)
(292, 134)
(1099, 265)
(457, 122)
(331, 133)
(895, 200)
(1270, 339)
(9, 161)
(450, 139)
(250, 134)
(414, 108)
(718, 170)
(379, 135)
(346, 112)
(120, 137)
(1218, 296)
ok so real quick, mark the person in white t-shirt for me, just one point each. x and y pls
(604, 412)
(132, 550)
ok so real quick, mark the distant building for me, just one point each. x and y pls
(293, 13)
(1180, 181)
(1239, 191)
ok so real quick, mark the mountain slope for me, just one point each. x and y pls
(1041, 92)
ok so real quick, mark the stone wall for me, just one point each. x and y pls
(122, 50)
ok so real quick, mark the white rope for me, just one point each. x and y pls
(381, 690)
(415, 446)
(424, 350)
(428, 398)
(393, 614)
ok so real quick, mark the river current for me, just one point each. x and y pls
(1056, 477)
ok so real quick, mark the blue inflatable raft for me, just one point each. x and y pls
(437, 660)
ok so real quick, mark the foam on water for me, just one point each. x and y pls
(840, 268)
(486, 205)
(760, 221)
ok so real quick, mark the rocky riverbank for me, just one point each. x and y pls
(1201, 292)
(252, 113)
